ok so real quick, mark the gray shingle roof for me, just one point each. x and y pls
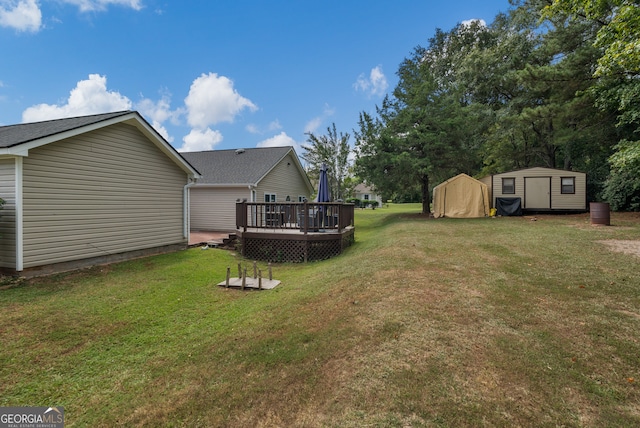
(239, 166)
(14, 135)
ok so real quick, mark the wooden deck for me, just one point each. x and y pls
(289, 245)
(283, 233)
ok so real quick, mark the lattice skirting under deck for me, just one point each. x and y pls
(294, 248)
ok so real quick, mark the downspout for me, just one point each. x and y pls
(19, 213)
(254, 209)
(186, 212)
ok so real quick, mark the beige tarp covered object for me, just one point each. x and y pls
(461, 197)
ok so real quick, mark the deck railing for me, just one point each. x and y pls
(303, 216)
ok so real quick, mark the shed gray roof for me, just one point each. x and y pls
(21, 133)
(237, 166)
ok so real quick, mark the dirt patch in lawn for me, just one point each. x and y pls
(623, 246)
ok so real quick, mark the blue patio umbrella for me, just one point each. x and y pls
(324, 195)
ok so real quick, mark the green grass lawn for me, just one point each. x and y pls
(485, 322)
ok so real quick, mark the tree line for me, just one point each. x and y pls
(551, 83)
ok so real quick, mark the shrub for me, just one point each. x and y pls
(622, 188)
(357, 202)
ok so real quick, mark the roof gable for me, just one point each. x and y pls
(363, 188)
(21, 133)
(462, 178)
(539, 169)
(18, 139)
(240, 166)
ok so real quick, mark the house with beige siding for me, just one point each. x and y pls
(540, 189)
(88, 190)
(366, 193)
(268, 174)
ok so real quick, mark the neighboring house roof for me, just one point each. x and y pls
(19, 139)
(363, 188)
(246, 167)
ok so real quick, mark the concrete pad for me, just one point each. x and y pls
(251, 283)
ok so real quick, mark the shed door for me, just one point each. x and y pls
(537, 193)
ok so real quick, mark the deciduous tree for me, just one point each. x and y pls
(333, 150)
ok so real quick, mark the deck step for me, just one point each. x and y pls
(230, 240)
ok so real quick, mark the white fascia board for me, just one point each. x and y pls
(11, 152)
(235, 185)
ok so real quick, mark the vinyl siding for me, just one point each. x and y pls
(215, 208)
(559, 201)
(372, 196)
(576, 201)
(104, 192)
(7, 214)
(283, 180)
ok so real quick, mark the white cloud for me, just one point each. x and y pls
(273, 126)
(199, 140)
(92, 97)
(100, 5)
(88, 97)
(313, 125)
(468, 22)
(162, 130)
(22, 15)
(26, 15)
(374, 85)
(252, 129)
(280, 140)
(159, 111)
(212, 99)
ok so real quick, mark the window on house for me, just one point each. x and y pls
(568, 185)
(269, 198)
(366, 197)
(508, 186)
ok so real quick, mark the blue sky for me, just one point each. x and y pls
(215, 74)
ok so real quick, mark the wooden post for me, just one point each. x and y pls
(259, 280)
(305, 217)
(244, 213)
(244, 278)
(228, 275)
(255, 270)
(239, 271)
(270, 273)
